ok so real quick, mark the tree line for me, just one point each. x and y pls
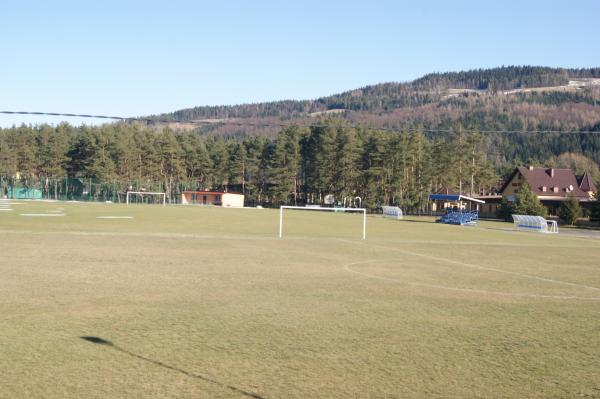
(300, 166)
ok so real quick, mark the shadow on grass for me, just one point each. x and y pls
(103, 342)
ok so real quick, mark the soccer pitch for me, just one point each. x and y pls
(109, 301)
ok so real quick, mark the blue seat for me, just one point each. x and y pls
(459, 218)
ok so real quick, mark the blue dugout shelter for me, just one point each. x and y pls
(459, 209)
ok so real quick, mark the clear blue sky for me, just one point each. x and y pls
(136, 58)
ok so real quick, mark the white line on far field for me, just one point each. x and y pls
(114, 217)
(42, 214)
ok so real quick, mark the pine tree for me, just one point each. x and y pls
(237, 164)
(255, 148)
(505, 210)
(171, 165)
(570, 210)
(527, 203)
(595, 212)
(347, 170)
(373, 170)
(284, 167)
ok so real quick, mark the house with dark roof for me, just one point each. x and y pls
(552, 186)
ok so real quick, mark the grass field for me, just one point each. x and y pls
(192, 302)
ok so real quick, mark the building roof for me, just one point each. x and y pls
(586, 183)
(549, 182)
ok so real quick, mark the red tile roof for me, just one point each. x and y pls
(557, 182)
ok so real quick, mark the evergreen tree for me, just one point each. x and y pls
(595, 212)
(170, 163)
(373, 191)
(527, 203)
(255, 148)
(570, 210)
(284, 167)
(505, 210)
(347, 168)
(237, 164)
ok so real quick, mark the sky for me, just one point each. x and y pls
(135, 58)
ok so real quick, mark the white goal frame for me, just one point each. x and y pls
(319, 208)
(142, 193)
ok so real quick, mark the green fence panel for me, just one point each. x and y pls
(24, 193)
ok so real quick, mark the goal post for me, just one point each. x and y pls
(318, 208)
(161, 196)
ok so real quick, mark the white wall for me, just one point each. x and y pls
(232, 200)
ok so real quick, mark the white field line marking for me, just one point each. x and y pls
(257, 237)
(11, 203)
(5, 209)
(114, 217)
(347, 267)
(267, 237)
(42, 214)
(472, 266)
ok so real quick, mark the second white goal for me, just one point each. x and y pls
(145, 197)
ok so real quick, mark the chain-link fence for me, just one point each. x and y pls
(84, 189)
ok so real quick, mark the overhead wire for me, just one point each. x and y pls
(221, 122)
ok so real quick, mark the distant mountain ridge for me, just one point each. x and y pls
(514, 98)
(386, 97)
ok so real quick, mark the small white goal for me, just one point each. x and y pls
(143, 196)
(318, 208)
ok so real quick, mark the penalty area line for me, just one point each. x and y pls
(472, 266)
(348, 267)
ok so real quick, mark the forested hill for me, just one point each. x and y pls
(348, 155)
(514, 97)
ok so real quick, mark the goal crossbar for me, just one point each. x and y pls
(142, 193)
(319, 208)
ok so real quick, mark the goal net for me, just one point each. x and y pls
(317, 209)
(145, 197)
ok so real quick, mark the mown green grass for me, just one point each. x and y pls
(209, 303)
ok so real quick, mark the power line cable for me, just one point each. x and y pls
(220, 122)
